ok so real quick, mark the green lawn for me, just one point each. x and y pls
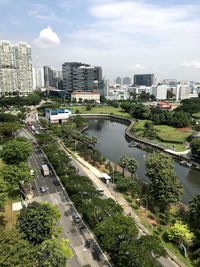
(196, 115)
(169, 134)
(101, 110)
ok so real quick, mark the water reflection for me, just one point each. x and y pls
(112, 143)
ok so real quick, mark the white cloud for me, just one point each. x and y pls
(191, 64)
(47, 37)
(138, 67)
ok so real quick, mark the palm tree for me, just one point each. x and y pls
(132, 166)
(123, 162)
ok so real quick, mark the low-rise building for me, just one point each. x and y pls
(86, 95)
(57, 115)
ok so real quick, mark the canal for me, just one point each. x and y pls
(112, 143)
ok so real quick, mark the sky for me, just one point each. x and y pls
(125, 37)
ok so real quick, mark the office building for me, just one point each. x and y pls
(80, 77)
(144, 79)
(126, 81)
(15, 68)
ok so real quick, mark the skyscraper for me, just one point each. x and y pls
(79, 76)
(144, 79)
(118, 80)
(49, 78)
(15, 68)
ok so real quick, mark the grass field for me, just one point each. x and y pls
(196, 115)
(101, 110)
(170, 134)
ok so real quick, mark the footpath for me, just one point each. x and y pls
(94, 174)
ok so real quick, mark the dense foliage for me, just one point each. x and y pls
(16, 150)
(165, 187)
(195, 146)
(32, 99)
(177, 118)
(45, 215)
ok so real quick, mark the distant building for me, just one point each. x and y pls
(15, 68)
(160, 91)
(80, 77)
(39, 77)
(49, 79)
(118, 80)
(86, 95)
(183, 91)
(57, 115)
(144, 79)
(163, 105)
(126, 81)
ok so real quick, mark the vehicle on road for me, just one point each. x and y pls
(45, 170)
(44, 189)
(76, 218)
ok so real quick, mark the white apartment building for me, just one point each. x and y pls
(39, 77)
(160, 91)
(183, 91)
(15, 68)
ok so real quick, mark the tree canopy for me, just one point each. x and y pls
(195, 146)
(37, 222)
(194, 209)
(15, 176)
(53, 252)
(165, 187)
(16, 151)
(180, 233)
(14, 251)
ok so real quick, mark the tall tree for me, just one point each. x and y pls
(16, 151)
(123, 162)
(195, 146)
(16, 176)
(3, 194)
(180, 233)
(165, 187)
(112, 231)
(37, 222)
(132, 166)
(14, 251)
(53, 252)
(194, 209)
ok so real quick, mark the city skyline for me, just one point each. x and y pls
(124, 37)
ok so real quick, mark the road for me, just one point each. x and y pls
(91, 256)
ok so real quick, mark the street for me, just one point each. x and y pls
(77, 233)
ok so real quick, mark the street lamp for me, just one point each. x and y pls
(143, 198)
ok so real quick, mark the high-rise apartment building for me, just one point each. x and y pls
(39, 77)
(15, 68)
(144, 79)
(49, 79)
(80, 77)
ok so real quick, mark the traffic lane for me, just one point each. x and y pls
(167, 262)
(36, 161)
(70, 231)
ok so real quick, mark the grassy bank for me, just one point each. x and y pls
(101, 110)
(168, 134)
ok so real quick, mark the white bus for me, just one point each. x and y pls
(45, 170)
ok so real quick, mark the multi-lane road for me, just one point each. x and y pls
(87, 252)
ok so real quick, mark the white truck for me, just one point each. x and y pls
(45, 170)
